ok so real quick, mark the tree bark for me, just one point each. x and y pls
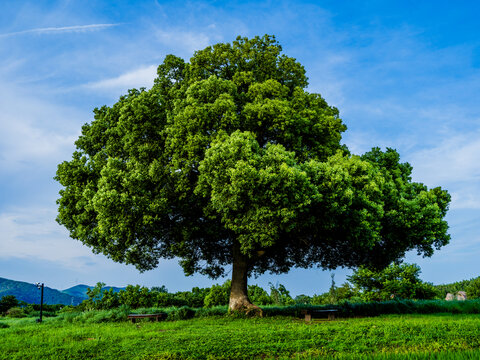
(239, 300)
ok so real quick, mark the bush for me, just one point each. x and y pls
(280, 295)
(473, 289)
(258, 296)
(68, 309)
(4, 326)
(212, 311)
(183, 313)
(218, 295)
(16, 312)
(136, 297)
(7, 302)
(115, 315)
(194, 298)
(394, 282)
(96, 316)
(303, 300)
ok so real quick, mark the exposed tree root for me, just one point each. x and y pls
(243, 305)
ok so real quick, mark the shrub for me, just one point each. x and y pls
(218, 295)
(473, 289)
(194, 298)
(258, 296)
(114, 315)
(221, 310)
(396, 281)
(4, 326)
(303, 300)
(68, 309)
(7, 302)
(280, 295)
(136, 296)
(96, 316)
(69, 317)
(16, 312)
(183, 313)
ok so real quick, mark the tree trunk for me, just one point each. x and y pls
(239, 300)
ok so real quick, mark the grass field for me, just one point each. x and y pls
(385, 337)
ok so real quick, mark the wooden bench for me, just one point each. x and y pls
(310, 312)
(152, 317)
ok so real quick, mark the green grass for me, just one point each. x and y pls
(387, 337)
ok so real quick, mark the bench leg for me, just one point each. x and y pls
(308, 317)
(331, 316)
(133, 320)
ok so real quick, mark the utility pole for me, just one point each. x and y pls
(40, 286)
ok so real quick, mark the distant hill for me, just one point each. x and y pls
(29, 293)
(80, 291)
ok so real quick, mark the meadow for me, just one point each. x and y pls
(412, 336)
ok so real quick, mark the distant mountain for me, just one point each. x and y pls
(31, 294)
(80, 291)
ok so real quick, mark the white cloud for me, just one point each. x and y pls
(32, 232)
(33, 131)
(455, 159)
(61, 29)
(466, 197)
(452, 164)
(183, 41)
(141, 77)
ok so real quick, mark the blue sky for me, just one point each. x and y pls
(403, 75)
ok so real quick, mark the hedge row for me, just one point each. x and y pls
(344, 310)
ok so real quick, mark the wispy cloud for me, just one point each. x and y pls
(455, 159)
(31, 232)
(184, 41)
(141, 77)
(34, 131)
(61, 29)
(454, 165)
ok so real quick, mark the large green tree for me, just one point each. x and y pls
(228, 162)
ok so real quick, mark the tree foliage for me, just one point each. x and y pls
(473, 289)
(7, 302)
(230, 148)
(394, 282)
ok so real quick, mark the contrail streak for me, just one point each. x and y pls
(78, 28)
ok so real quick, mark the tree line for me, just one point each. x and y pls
(396, 282)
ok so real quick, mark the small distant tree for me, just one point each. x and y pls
(110, 299)
(160, 289)
(136, 297)
(346, 292)
(473, 289)
(15, 312)
(94, 297)
(333, 290)
(280, 295)
(394, 282)
(303, 299)
(218, 294)
(7, 302)
(194, 298)
(258, 296)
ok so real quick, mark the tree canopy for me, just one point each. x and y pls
(228, 159)
(397, 281)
